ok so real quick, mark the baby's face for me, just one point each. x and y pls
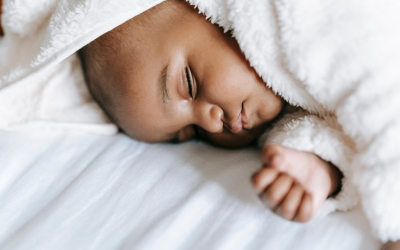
(184, 77)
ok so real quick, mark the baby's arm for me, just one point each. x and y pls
(294, 183)
(310, 147)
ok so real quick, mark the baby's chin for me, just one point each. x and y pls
(226, 139)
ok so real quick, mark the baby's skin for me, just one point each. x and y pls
(293, 183)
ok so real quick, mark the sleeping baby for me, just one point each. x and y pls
(315, 82)
(170, 75)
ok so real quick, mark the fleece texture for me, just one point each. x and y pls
(337, 59)
(323, 136)
(41, 80)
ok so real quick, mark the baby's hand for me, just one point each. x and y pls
(293, 183)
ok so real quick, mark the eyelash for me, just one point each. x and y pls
(189, 83)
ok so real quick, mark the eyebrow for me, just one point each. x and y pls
(163, 84)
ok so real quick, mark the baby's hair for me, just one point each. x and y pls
(97, 56)
(93, 65)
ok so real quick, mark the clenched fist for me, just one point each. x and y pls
(293, 183)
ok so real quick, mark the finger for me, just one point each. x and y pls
(263, 178)
(291, 203)
(288, 160)
(277, 190)
(305, 211)
(270, 154)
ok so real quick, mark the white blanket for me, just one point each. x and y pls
(63, 191)
(41, 82)
(335, 58)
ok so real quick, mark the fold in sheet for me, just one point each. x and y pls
(79, 191)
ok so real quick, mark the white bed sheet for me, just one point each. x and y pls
(72, 191)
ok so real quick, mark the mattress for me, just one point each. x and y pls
(63, 190)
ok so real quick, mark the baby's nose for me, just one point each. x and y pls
(211, 119)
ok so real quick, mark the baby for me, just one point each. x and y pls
(170, 75)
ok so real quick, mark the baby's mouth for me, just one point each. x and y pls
(236, 125)
(240, 123)
(245, 119)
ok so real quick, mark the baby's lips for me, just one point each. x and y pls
(236, 126)
(245, 120)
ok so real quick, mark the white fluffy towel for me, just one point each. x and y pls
(337, 59)
(41, 80)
